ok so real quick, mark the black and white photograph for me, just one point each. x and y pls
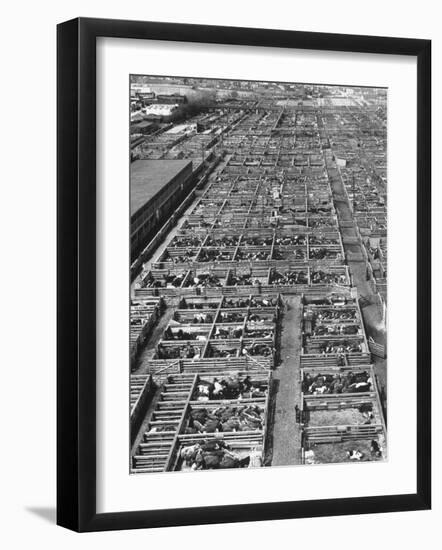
(258, 274)
(226, 240)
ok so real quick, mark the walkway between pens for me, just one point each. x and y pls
(286, 432)
(371, 311)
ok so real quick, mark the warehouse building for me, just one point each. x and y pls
(157, 187)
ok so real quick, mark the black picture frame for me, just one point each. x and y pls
(76, 273)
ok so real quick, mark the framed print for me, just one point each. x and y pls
(243, 274)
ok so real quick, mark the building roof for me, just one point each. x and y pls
(160, 109)
(143, 124)
(147, 177)
(135, 140)
(180, 128)
(136, 117)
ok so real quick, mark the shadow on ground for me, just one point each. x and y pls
(46, 513)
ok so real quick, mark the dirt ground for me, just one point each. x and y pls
(325, 453)
(286, 433)
(335, 418)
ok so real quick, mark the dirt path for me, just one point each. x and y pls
(286, 432)
(371, 310)
(154, 338)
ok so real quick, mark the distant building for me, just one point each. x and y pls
(184, 129)
(160, 112)
(171, 99)
(143, 127)
(146, 95)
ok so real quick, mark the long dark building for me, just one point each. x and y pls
(157, 187)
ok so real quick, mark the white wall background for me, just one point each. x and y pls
(27, 232)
